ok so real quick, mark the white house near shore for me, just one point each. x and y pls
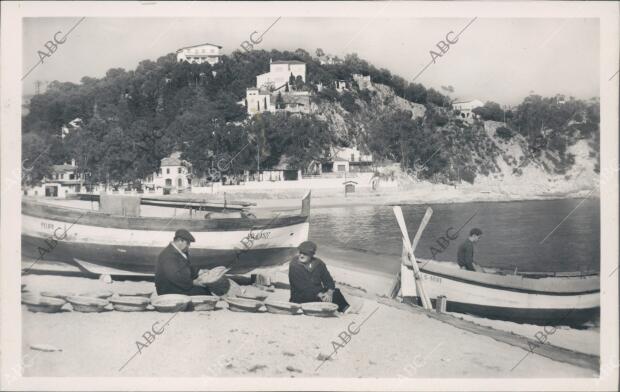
(63, 181)
(202, 53)
(174, 175)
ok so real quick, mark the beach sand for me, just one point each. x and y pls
(388, 342)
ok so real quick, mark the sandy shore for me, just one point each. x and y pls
(435, 194)
(389, 342)
(409, 193)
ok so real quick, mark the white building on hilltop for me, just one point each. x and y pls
(270, 86)
(280, 72)
(363, 82)
(203, 53)
(466, 108)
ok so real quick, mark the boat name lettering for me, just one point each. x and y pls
(259, 235)
(248, 240)
(46, 225)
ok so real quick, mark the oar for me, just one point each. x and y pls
(407, 243)
(427, 217)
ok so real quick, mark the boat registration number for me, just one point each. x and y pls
(432, 278)
(259, 235)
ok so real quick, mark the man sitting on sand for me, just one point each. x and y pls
(311, 281)
(465, 254)
(176, 275)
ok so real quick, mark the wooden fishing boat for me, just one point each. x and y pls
(124, 245)
(544, 299)
(537, 298)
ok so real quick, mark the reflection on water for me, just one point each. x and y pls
(515, 234)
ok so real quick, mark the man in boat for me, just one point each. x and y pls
(176, 275)
(311, 281)
(465, 254)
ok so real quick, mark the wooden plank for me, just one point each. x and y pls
(407, 244)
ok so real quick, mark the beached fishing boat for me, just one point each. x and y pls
(545, 299)
(536, 297)
(101, 242)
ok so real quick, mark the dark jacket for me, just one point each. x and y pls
(465, 255)
(174, 274)
(306, 285)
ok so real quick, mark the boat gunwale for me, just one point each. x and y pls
(513, 288)
(101, 219)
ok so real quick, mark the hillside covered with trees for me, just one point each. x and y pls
(132, 119)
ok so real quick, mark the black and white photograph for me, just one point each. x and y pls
(309, 195)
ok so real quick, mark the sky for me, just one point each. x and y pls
(496, 59)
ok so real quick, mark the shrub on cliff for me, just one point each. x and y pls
(503, 133)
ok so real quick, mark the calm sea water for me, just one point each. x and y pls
(515, 234)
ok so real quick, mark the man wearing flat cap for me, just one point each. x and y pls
(176, 275)
(311, 281)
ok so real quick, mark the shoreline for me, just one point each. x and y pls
(229, 344)
(437, 195)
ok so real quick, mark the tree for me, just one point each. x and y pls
(397, 137)
(435, 97)
(503, 133)
(279, 101)
(300, 139)
(348, 102)
(319, 52)
(36, 161)
(416, 93)
(299, 83)
(490, 111)
(291, 80)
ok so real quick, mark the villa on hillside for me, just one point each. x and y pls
(274, 84)
(280, 73)
(329, 60)
(174, 175)
(466, 108)
(202, 53)
(363, 82)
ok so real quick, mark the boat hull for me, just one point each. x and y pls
(133, 244)
(548, 301)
